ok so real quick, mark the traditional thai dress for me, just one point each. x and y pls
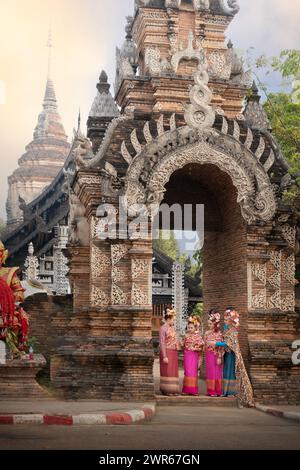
(11, 314)
(10, 276)
(169, 373)
(235, 377)
(193, 345)
(7, 308)
(214, 367)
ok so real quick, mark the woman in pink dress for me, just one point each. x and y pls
(193, 346)
(214, 355)
(169, 373)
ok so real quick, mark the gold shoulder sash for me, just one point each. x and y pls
(11, 274)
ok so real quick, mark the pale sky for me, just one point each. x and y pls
(85, 35)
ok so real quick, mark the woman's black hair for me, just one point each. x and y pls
(213, 311)
(168, 317)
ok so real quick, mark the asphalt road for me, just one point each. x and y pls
(174, 428)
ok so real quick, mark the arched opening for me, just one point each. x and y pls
(224, 245)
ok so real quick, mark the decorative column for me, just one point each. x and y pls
(31, 264)
(273, 324)
(178, 295)
(61, 284)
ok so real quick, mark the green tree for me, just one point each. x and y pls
(193, 266)
(186, 261)
(283, 109)
(287, 64)
(284, 116)
(167, 243)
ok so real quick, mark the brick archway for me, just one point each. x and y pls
(225, 237)
(248, 197)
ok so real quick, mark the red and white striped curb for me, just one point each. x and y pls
(113, 418)
(278, 413)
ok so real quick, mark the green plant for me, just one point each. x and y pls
(33, 343)
(199, 310)
(11, 340)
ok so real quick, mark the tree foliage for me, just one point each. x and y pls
(284, 116)
(283, 109)
(193, 265)
(167, 243)
(287, 64)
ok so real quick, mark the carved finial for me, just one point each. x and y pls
(190, 40)
(135, 141)
(128, 27)
(125, 153)
(104, 105)
(200, 114)
(254, 113)
(254, 91)
(173, 122)
(111, 169)
(190, 53)
(103, 86)
(229, 7)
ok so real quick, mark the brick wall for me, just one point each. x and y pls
(225, 259)
(274, 377)
(104, 354)
(42, 308)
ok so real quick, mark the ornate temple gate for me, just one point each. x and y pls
(105, 346)
(249, 263)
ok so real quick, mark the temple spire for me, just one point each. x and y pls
(50, 47)
(104, 104)
(50, 97)
(79, 120)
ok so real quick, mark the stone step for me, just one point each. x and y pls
(200, 401)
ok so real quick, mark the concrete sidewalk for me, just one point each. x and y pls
(86, 412)
(281, 411)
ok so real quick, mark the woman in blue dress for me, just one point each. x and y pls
(235, 378)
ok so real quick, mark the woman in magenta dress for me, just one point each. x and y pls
(214, 355)
(193, 346)
(169, 373)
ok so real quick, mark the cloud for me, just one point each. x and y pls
(85, 34)
(268, 25)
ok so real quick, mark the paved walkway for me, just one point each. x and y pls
(281, 411)
(181, 428)
(66, 407)
(87, 412)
